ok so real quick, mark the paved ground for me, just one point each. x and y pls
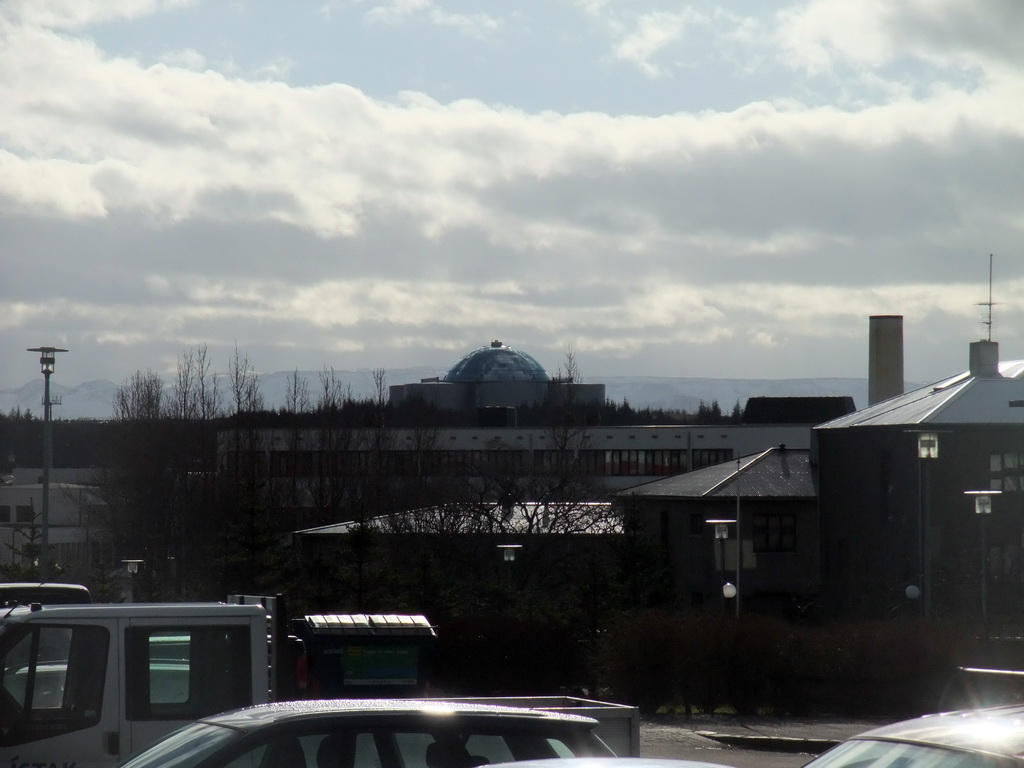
(733, 740)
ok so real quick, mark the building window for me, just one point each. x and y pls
(24, 513)
(5, 514)
(696, 524)
(707, 457)
(1007, 472)
(774, 533)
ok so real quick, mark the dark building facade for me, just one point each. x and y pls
(767, 502)
(899, 531)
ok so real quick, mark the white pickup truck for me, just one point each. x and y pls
(87, 686)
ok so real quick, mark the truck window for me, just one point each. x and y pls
(52, 681)
(186, 673)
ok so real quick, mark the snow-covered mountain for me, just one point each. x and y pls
(94, 399)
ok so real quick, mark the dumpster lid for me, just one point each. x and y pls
(368, 624)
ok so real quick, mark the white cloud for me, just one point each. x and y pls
(173, 202)
(399, 11)
(652, 34)
(77, 14)
(187, 58)
(877, 33)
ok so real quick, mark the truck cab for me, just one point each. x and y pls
(89, 685)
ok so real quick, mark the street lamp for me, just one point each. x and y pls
(927, 451)
(47, 360)
(509, 551)
(508, 554)
(721, 534)
(132, 568)
(739, 538)
(983, 508)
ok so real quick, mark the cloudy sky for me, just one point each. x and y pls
(702, 189)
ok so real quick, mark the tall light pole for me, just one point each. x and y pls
(721, 534)
(47, 359)
(739, 537)
(983, 508)
(927, 451)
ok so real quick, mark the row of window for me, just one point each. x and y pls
(433, 462)
(1007, 472)
(53, 676)
(22, 513)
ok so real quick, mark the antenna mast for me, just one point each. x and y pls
(988, 322)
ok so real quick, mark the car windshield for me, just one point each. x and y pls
(185, 747)
(866, 753)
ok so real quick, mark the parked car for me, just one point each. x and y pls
(610, 762)
(980, 738)
(372, 733)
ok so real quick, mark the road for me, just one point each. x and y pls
(683, 740)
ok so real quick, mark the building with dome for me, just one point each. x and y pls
(497, 377)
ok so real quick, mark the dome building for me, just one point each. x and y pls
(500, 377)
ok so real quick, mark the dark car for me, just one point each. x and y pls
(372, 733)
(989, 738)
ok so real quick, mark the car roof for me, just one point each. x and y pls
(275, 712)
(997, 731)
(609, 762)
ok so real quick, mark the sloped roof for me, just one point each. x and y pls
(523, 517)
(961, 399)
(776, 473)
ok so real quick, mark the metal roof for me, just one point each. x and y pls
(776, 473)
(263, 714)
(960, 399)
(527, 517)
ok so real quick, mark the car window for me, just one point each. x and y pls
(52, 681)
(399, 747)
(865, 753)
(185, 747)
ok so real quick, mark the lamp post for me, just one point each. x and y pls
(739, 538)
(131, 567)
(721, 534)
(927, 451)
(47, 360)
(508, 554)
(983, 508)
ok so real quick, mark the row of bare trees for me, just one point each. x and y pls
(207, 486)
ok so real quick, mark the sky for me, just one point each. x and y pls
(704, 189)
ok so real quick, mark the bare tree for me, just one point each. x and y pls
(140, 398)
(196, 392)
(244, 384)
(196, 404)
(297, 394)
(137, 489)
(333, 393)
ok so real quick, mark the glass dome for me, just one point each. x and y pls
(496, 363)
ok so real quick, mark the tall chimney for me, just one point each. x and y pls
(885, 357)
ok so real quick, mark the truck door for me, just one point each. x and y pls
(59, 694)
(180, 669)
